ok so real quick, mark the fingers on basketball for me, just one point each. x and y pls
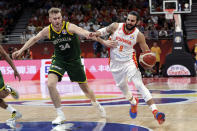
(147, 60)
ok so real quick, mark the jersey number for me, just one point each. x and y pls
(64, 47)
(121, 48)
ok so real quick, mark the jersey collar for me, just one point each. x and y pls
(123, 29)
(61, 28)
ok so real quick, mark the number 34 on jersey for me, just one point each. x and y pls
(64, 47)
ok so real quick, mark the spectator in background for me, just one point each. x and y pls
(31, 28)
(27, 55)
(195, 51)
(163, 33)
(82, 24)
(157, 51)
(87, 26)
(29, 34)
(46, 53)
(96, 26)
(153, 33)
(23, 37)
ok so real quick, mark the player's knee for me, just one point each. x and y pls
(121, 85)
(3, 94)
(124, 89)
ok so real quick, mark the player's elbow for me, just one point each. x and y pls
(34, 39)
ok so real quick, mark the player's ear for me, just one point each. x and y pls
(50, 19)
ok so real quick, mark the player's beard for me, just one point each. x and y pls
(130, 28)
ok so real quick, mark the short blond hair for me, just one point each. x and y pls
(54, 10)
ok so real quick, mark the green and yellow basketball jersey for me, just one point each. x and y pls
(67, 45)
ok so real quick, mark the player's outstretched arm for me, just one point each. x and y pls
(142, 42)
(41, 35)
(106, 30)
(78, 30)
(10, 62)
(107, 43)
(89, 35)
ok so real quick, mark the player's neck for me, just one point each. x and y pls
(58, 28)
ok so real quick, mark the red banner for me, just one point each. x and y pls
(97, 68)
(28, 69)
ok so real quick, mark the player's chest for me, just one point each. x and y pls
(57, 39)
(123, 39)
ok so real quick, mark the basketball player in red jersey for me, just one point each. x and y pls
(123, 63)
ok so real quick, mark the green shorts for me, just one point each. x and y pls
(74, 69)
(2, 85)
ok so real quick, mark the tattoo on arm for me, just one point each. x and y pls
(110, 28)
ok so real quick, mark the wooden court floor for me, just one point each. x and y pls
(176, 97)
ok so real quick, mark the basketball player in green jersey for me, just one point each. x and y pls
(5, 90)
(64, 36)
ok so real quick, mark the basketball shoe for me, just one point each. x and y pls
(159, 116)
(12, 121)
(100, 109)
(12, 92)
(59, 120)
(133, 109)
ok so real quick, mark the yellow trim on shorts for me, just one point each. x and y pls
(67, 29)
(2, 88)
(80, 81)
(49, 32)
(56, 72)
(60, 30)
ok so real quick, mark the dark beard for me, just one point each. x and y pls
(131, 28)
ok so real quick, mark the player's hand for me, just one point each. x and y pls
(111, 43)
(16, 54)
(148, 51)
(16, 74)
(90, 35)
(94, 34)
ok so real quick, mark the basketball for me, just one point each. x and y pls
(147, 60)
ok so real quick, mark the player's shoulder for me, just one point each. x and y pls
(139, 33)
(44, 32)
(115, 25)
(46, 28)
(140, 36)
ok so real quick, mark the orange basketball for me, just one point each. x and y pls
(147, 60)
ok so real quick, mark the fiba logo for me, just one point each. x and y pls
(178, 39)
